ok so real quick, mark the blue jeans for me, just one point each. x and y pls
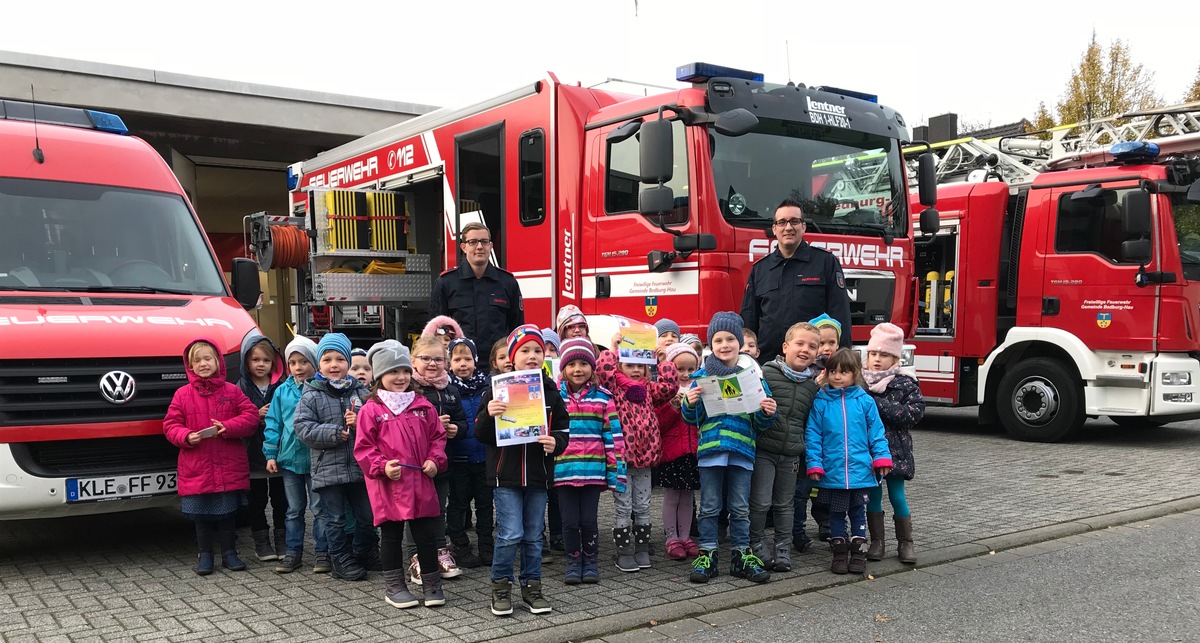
(298, 489)
(728, 487)
(332, 511)
(858, 522)
(520, 519)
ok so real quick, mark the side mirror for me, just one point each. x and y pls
(244, 282)
(927, 179)
(657, 152)
(693, 242)
(1193, 193)
(1136, 251)
(659, 261)
(735, 122)
(624, 131)
(1090, 193)
(655, 200)
(1136, 215)
(930, 221)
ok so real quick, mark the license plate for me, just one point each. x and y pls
(127, 486)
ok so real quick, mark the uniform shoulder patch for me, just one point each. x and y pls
(448, 270)
(840, 279)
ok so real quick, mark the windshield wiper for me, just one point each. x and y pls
(135, 289)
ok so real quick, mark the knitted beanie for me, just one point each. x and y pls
(682, 348)
(523, 335)
(387, 356)
(464, 341)
(551, 338)
(729, 322)
(334, 342)
(577, 348)
(303, 345)
(887, 338)
(568, 315)
(826, 320)
(667, 326)
(688, 338)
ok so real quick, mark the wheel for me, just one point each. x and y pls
(1135, 422)
(1040, 400)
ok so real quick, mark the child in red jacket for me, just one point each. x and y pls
(678, 471)
(207, 419)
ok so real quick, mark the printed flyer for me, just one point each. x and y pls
(739, 393)
(638, 341)
(525, 418)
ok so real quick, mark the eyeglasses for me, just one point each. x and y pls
(478, 242)
(431, 360)
(783, 223)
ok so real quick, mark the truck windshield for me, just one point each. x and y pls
(1187, 231)
(79, 237)
(848, 181)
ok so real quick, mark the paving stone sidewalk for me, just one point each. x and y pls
(128, 576)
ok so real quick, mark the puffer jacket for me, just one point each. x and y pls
(280, 442)
(414, 436)
(678, 437)
(793, 400)
(254, 443)
(219, 463)
(901, 406)
(845, 441)
(320, 420)
(643, 442)
(595, 452)
(524, 465)
(468, 449)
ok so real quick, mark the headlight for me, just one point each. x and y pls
(1177, 378)
(908, 356)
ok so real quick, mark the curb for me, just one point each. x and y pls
(640, 619)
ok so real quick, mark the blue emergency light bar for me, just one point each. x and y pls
(870, 98)
(15, 110)
(1128, 151)
(702, 72)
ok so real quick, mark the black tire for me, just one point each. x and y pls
(1135, 422)
(1040, 400)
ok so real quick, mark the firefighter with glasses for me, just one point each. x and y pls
(485, 300)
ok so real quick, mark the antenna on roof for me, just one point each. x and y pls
(787, 47)
(38, 154)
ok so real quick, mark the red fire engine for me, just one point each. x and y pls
(1064, 282)
(643, 206)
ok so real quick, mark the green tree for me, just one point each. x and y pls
(1108, 82)
(1043, 120)
(1194, 93)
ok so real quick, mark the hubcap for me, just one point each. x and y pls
(1035, 401)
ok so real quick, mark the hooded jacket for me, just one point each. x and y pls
(845, 440)
(524, 465)
(320, 420)
(280, 442)
(901, 406)
(643, 441)
(595, 452)
(412, 437)
(254, 443)
(215, 464)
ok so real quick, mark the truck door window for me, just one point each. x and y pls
(621, 185)
(1092, 226)
(533, 177)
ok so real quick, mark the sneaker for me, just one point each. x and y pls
(704, 568)
(801, 543)
(746, 565)
(264, 549)
(322, 564)
(414, 570)
(676, 550)
(370, 560)
(446, 562)
(466, 557)
(531, 595)
(693, 550)
(502, 597)
(288, 564)
(783, 559)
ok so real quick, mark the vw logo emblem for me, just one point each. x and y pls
(117, 387)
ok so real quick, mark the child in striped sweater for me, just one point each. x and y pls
(594, 459)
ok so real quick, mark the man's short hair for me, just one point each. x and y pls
(789, 203)
(474, 225)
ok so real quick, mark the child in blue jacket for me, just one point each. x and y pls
(847, 454)
(468, 475)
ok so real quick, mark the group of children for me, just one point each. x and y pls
(390, 440)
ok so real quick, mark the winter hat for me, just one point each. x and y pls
(357, 352)
(689, 338)
(463, 341)
(334, 342)
(550, 337)
(567, 316)
(303, 345)
(387, 356)
(523, 335)
(439, 325)
(887, 338)
(667, 326)
(727, 321)
(577, 348)
(675, 350)
(826, 320)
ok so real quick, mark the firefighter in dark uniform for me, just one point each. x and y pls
(483, 299)
(795, 283)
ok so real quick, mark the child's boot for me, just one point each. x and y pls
(204, 563)
(502, 597)
(323, 564)
(704, 568)
(229, 555)
(841, 556)
(745, 564)
(623, 537)
(346, 568)
(904, 541)
(574, 573)
(858, 555)
(760, 549)
(641, 555)
(531, 595)
(397, 594)
(783, 558)
(590, 572)
(263, 548)
(280, 543)
(370, 560)
(875, 528)
(431, 585)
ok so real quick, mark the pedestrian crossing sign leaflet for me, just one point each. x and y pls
(730, 388)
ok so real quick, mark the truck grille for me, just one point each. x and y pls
(96, 457)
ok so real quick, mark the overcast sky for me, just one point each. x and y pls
(988, 62)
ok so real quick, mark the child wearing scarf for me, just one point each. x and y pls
(468, 475)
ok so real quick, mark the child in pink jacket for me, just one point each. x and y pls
(207, 419)
(401, 446)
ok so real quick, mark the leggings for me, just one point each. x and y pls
(578, 507)
(895, 495)
(424, 532)
(220, 530)
(678, 505)
(442, 484)
(260, 490)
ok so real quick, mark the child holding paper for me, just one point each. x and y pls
(637, 392)
(726, 456)
(520, 475)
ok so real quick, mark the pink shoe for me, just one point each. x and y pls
(691, 547)
(449, 567)
(676, 550)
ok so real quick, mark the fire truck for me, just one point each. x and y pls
(643, 206)
(1064, 281)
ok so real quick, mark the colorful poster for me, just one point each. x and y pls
(552, 367)
(742, 392)
(638, 341)
(525, 418)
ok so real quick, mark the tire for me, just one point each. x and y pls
(1135, 422)
(1040, 400)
